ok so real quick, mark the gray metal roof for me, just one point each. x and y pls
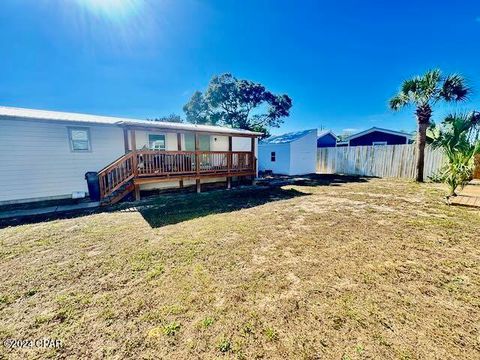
(57, 116)
(286, 138)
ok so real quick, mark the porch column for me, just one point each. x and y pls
(254, 159)
(135, 162)
(229, 163)
(125, 140)
(179, 147)
(133, 140)
(197, 162)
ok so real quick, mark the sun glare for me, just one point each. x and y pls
(115, 10)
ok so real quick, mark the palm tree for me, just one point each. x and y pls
(424, 92)
(459, 137)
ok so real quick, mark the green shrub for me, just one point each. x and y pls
(459, 138)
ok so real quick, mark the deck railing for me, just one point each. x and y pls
(116, 174)
(164, 164)
(168, 163)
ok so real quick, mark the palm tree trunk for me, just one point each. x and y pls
(421, 141)
(423, 114)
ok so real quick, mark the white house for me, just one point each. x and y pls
(45, 154)
(289, 154)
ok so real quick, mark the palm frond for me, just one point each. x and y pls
(428, 85)
(410, 86)
(454, 88)
(398, 101)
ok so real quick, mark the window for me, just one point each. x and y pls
(156, 141)
(189, 142)
(79, 139)
(379, 143)
(204, 142)
(273, 156)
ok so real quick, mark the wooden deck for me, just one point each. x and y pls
(469, 196)
(150, 166)
(141, 166)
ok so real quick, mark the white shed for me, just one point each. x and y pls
(289, 154)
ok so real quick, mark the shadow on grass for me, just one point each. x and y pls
(173, 208)
(331, 180)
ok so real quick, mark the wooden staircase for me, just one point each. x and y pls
(118, 194)
(116, 180)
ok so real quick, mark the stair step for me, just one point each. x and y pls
(118, 194)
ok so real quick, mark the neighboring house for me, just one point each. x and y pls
(289, 154)
(376, 136)
(45, 154)
(326, 138)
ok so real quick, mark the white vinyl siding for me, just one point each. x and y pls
(303, 157)
(281, 165)
(37, 161)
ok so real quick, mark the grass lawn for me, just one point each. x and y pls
(325, 269)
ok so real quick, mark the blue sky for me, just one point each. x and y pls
(339, 61)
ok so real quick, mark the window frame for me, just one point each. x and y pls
(70, 130)
(192, 137)
(273, 156)
(157, 134)
(379, 143)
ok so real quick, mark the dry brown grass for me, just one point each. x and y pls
(380, 269)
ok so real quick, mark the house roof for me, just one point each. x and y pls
(286, 138)
(326, 132)
(373, 129)
(57, 116)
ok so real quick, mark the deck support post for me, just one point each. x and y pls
(137, 192)
(199, 188)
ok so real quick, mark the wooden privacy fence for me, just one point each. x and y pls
(382, 161)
